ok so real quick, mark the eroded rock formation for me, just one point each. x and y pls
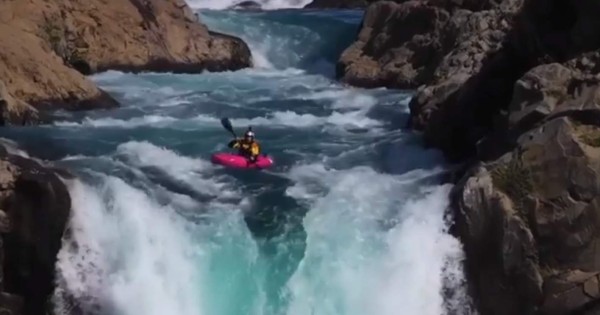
(512, 87)
(46, 48)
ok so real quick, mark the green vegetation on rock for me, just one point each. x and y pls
(591, 138)
(514, 179)
(66, 45)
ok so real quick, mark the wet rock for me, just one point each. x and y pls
(10, 304)
(500, 249)
(35, 208)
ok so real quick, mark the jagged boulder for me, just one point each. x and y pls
(34, 210)
(398, 46)
(529, 222)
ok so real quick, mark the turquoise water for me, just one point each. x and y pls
(349, 221)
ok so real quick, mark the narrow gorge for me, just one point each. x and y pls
(432, 157)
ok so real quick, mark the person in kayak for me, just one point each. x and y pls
(247, 146)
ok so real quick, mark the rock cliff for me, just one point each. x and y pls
(34, 210)
(511, 88)
(46, 48)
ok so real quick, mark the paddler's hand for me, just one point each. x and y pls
(232, 143)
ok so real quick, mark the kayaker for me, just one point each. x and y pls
(247, 146)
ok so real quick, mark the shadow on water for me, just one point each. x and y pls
(273, 212)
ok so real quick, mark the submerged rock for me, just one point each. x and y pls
(246, 5)
(48, 47)
(34, 210)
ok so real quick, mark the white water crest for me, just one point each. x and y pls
(265, 4)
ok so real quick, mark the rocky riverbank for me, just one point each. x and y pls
(511, 87)
(46, 48)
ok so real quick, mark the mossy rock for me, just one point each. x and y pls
(53, 32)
(67, 45)
(514, 179)
(591, 139)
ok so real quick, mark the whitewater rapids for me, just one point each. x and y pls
(352, 219)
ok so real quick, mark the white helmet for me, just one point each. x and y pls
(249, 133)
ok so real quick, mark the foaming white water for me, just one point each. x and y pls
(127, 253)
(273, 44)
(422, 257)
(376, 244)
(185, 169)
(353, 119)
(265, 4)
(356, 119)
(149, 120)
(147, 154)
(131, 255)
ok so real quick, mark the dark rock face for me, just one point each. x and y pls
(514, 86)
(398, 46)
(529, 220)
(34, 210)
(548, 182)
(445, 50)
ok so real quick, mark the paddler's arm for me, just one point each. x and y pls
(235, 143)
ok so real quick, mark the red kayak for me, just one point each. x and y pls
(238, 161)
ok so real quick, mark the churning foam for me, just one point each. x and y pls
(130, 254)
(378, 248)
(127, 253)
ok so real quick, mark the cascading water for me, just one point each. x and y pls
(349, 221)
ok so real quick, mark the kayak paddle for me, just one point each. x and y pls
(227, 125)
